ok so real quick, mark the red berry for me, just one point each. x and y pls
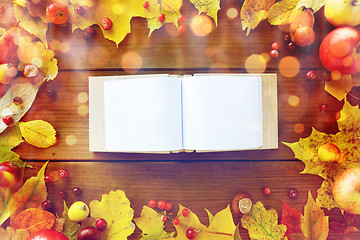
(17, 100)
(63, 173)
(100, 224)
(287, 38)
(146, 5)
(90, 30)
(46, 205)
(48, 179)
(152, 203)
(267, 191)
(311, 75)
(176, 221)
(168, 206)
(62, 195)
(2, 10)
(182, 29)
(161, 204)
(324, 107)
(76, 191)
(190, 233)
(106, 24)
(291, 46)
(80, 10)
(293, 193)
(275, 46)
(185, 212)
(8, 120)
(163, 218)
(161, 17)
(181, 18)
(274, 53)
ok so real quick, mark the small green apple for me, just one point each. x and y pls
(346, 190)
(329, 152)
(342, 12)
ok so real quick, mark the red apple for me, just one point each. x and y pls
(9, 174)
(339, 50)
(346, 190)
(57, 13)
(329, 152)
(47, 234)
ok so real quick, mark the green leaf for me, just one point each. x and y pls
(71, 228)
(283, 12)
(210, 7)
(314, 224)
(263, 224)
(30, 195)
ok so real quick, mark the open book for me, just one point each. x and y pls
(165, 113)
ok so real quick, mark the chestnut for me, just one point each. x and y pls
(242, 203)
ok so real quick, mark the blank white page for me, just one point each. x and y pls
(142, 114)
(222, 112)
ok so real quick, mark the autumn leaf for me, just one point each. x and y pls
(115, 209)
(9, 139)
(22, 89)
(283, 12)
(12, 234)
(210, 7)
(340, 87)
(34, 219)
(291, 218)
(38, 133)
(151, 225)
(314, 5)
(262, 223)
(314, 224)
(347, 140)
(30, 195)
(222, 226)
(253, 12)
(71, 228)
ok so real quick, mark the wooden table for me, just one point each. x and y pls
(195, 180)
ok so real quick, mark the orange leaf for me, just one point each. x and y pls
(34, 219)
(30, 195)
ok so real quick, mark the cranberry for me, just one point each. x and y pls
(311, 75)
(63, 173)
(146, 5)
(161, 17)
(80, 10)
(152, 203)
(106, 24)
(8, 120)
(62, 195)
(293, 193)
(46, 205)
(190, 233)
(76, 191)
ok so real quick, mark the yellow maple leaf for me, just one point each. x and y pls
(262, 223)
(115, 209)
(12, 234)
(222, 226)
(151, 225)
(339, 88)
(38, 133)
(253, 12)
(210, 7)
(347, 140)
(283, 12)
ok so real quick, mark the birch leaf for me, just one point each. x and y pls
(347, 140)
(22, 89)
(210, 7)
(314, 224)
(115, 209)
(253, 12)
(71, 228)
(263, 224)
(283, 12)
(30, 195)
(38, 133)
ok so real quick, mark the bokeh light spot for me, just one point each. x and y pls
(201, 25)
(335, 75)
(338, 116)
(118, 9)
(293, 100)
(266, 56)
(255, 63)
(299, 128)
(83, 110)
(232, 13)
(289, 66)
(131, 62)
(83, 97)
(70, 140)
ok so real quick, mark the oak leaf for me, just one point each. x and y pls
(70, 228)
(115, 209)
(12, 234)
(314, 224)
(253, 12)
(38, 133)
(283, 12)
(30, 195)
(262, 223)
(34, 219)
(151, 225)
(347, 140)
(210, 7)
